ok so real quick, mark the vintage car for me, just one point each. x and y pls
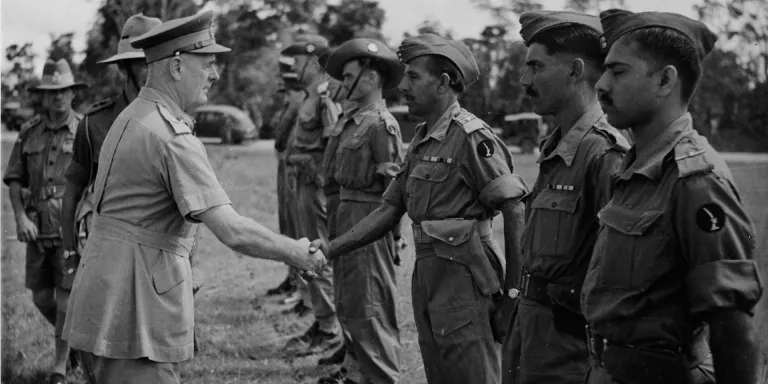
(230, 124)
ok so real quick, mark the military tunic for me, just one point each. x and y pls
(367, 156)
(674, 243)
(548, 340)
(132, 297)
(456, 175)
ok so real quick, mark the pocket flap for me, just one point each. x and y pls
(167, 273)
(446, 322)
(449, 231)
(33, 146)
(557, 200)
(628, 221)
(435, 172)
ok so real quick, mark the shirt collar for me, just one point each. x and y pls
(358, 114)
(569, 144)
(649, 162)
(56, 125)
(161, 98)
(440, 129)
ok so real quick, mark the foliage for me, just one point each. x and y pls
(351, 19)
(21, 73)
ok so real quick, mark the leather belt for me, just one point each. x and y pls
(484, 229)
(535, 288)
(360, 196)
(120, 229)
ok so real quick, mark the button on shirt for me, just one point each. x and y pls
(456, 169)
(38, 161)
(573, 185)
(674, 243)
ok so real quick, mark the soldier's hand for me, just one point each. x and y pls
(320, 244)
(315, 260)
(26, 230)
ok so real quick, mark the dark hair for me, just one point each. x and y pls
(664, 46)
(378, 66)
(577, 40)
(437, 65)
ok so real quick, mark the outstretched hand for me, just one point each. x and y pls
(320, 245)
(315, 260)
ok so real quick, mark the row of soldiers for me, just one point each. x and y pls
(622, 264)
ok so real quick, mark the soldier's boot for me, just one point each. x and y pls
(324, 341)
(337, 357)
(303, 341)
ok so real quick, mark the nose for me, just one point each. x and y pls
(215, 74)
(525, 78)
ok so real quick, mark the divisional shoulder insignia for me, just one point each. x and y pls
(710, 218)
(485, 148)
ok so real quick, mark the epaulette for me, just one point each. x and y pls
(618, 141)
(99, 105)
(691, 158)
(468, 121)
(179, 127)
(391, 123)
(30, 123)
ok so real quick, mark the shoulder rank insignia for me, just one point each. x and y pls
(179, 127)
(468, 121)
(99, 105)
(30, 123)
(393, 128)
(691, 158)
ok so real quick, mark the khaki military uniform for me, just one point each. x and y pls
(304, 157)
(284, 120)
(548, 342)
(368, 153)
(674, 243)
(132, 298)
(456, 175)
(38, 160)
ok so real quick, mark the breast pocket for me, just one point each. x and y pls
(631, 246)
(423, 185)
(555, 223)
(34, 154)
(352, 163)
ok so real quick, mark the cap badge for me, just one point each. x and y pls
(603, 43)
(310, 48)
(56, 77)
(373, 48)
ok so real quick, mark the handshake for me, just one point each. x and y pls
(315, 259)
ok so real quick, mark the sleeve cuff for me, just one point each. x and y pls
(387, 169)
(196, 204)
(732, 284)
(503, 188)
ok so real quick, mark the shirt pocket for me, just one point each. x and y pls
(631, 247)
(555, 223)
(33, 152)
(423, 186)
(352, 163)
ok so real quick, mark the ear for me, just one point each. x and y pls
(668, 80)
(445, 83)
(174, 66)
(578, 69)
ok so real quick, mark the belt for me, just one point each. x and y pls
(360, 196)
(420, 237)
(597, 345)
(108, 226)
(535, 288)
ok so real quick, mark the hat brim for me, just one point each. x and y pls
(210, 49)
(123, 56)
(335, 67)
(59, 87)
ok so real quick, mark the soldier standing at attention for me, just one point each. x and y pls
(304, 157)
(131, 310)
(563, 63)
(675, 245)
(38, 162)
(456, 177)
(367, 155)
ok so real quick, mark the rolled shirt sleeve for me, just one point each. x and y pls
(718, 242)
(487, 167)
(16, 170)
(190, 178)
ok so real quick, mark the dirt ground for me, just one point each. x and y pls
(241, 331)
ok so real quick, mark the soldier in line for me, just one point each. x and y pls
(547, 343)
(365, 155)
(675, 247)
(131, 310)
(457, 175)
(38, 162)
(304, 157)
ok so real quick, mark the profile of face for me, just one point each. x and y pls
(366, 84)
(420, 89)
(139, 68)
(58, 101)
(629, 88)
(194, 74)
(546, 79)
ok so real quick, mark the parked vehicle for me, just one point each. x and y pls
(525, 130)
(230, 124)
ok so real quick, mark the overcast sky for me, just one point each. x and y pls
(34, 20)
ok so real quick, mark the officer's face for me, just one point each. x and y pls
(628, 86)
(419, 87)
(545, 79)
(350, 74)
(198, 73)
(58, 101)
(139, 68)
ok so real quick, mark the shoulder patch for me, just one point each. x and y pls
(691, 158)
(618, 141)
(30, 123)
(99, 105)
(390, 122)
(179, 127)
(468, 121)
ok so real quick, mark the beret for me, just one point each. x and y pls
(455, 51)
(312, 45)
(535, 22)
(618, 22)
(366, 48)
(191, 34)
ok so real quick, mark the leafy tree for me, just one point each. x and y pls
(351, 19)
(61, 47)
(20, 59)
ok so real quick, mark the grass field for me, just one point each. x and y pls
(241, 331)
